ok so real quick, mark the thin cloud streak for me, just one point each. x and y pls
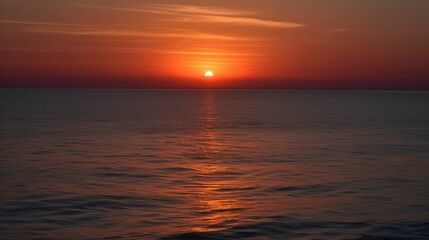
(173, 9)
(243, 21)
(98, 30)
(66, 50)
(338, 30)
(135, 33)
(27, 22)
(190, 13)
(208, 53)
(191, 9)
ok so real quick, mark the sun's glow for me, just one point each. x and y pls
(209, 74)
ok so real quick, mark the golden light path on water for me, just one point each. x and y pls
(209, 199)
(215, 193)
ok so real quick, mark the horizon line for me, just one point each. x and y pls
(221, 89)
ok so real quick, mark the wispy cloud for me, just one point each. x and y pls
(338, 30)
(132, 33)
(192, 9)
(191, 13)
(99, 30)
(314, 40)
(242, 21)
(27, 22)
(44, 50)
(213, 52)
(173, 9)
(56, 50)
(206, 53)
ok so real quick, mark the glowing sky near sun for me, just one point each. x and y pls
(245, 43)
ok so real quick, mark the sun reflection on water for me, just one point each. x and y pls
(216, 207)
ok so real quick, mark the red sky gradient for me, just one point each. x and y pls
(326, 44)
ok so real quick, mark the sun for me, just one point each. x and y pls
(209, 74)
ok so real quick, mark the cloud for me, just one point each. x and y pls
(314, 41)
(56, 50)
(191, 13)
(93, 31)
(172, 9)
(191, 9)
(13, 49)
(206, 53)
(213, 52)
(99, 30)
(242, 21)
(337, 30)
(27, 22)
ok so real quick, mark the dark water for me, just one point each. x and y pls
(90, 164)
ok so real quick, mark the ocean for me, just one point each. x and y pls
(213, 164)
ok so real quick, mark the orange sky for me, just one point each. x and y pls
(246, 43)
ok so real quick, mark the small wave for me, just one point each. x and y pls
(126, 175)
(42, 152)
(176, 169)
(309, 190)
(233, 189)
(82, 206)
(290, 228)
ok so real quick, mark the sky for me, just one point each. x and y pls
(315, 44)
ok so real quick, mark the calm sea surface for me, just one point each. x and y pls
(148, 164)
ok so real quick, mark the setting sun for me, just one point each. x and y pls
(209, 74)
(202, 119)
